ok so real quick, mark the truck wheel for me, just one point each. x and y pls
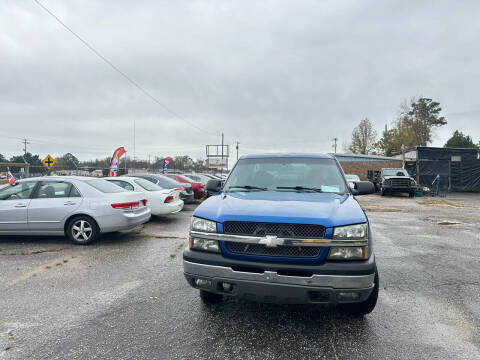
(368, 305)
(411, 194)
(82, 230)
(383, 192)
(210, 298)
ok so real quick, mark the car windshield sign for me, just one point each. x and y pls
(286, 174)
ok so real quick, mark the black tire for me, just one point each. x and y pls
(210, 298)
(383, 192)
(82, 230)
(412, 194)
(368, 305)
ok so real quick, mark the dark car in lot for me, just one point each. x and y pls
(395, 180)
(198, 189)
(186, 191)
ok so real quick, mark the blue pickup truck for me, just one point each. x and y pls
(284, 228)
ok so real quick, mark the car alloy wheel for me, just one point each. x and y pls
(82, 230)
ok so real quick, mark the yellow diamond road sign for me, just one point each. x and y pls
(48, 162)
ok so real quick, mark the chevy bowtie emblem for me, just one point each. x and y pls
(271, 241)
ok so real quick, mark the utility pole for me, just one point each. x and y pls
(335, 144)
(134, 160)
(221, 168)
(149, 161)
(25, 142)
(237, 149)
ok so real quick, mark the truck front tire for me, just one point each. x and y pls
(368, 305)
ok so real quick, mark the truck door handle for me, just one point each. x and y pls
(20, 205)
(69, 203)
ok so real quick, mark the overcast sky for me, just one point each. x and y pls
(273, 75)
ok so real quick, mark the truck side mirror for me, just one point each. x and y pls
(363, 188)
(214, 185)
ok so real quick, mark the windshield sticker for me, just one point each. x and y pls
(326, 188)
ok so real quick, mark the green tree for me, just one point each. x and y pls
(414, 126)
(386, 144)
(424, 115)
(364, 138)
(33, 160)
(67, 162)
(3, 158)
(459, 140)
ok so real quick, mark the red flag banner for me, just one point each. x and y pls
(117, 154)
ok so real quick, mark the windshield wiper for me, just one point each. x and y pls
(248, 187)
(300, 188)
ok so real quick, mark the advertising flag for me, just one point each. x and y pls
(117, 154)
(165, 164)
(11, 179)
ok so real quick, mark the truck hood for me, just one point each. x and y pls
(325, 209)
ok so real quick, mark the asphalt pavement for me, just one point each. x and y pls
(125, 297)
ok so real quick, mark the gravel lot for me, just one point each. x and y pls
(125, 297)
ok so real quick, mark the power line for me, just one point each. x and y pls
(123, 74)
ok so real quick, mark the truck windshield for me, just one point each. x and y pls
(395, 172)
(286, 174)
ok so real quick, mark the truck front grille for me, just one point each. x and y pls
(400, 183)
(280, 251)
(305, 231)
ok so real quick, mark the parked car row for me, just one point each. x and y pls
(82, 208)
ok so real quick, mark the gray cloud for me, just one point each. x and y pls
(274, 75)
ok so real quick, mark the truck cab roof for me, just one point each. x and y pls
(288, 155)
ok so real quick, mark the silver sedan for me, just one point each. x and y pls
(80, 208)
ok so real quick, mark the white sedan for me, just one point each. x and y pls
(352, 180)
(160, 201)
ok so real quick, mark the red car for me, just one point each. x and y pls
(198, 190)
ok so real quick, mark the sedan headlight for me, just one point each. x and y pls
(204, 244)
(348, 253)
(351, 232)
(200, 224)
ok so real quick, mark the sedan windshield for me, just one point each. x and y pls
(286, 174)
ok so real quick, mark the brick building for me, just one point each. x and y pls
(361, 164)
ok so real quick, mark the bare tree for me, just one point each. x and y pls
(364, 138)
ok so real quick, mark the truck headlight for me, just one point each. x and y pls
(413, 182)
(204, 244)
(351, 232)
(348, 253)
(200, 224)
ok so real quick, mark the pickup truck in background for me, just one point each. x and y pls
(395, 180)
(284, 229)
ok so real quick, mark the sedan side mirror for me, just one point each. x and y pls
(363, 188)
(214, 185)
